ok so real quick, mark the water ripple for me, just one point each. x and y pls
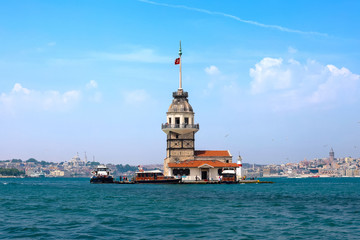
(75, 209)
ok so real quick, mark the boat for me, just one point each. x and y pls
(36, 174)
(101, 174)
(228, 176)
(154, 176)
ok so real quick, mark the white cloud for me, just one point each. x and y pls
(269, 74)
(140, 55)
(339, 83)
(91, 84)
(212, 70)
(292, 50)
(137, 55)
(219, 82)
(276, 27)
(19, 89)
(136, 96)
(215, 76)
(291, 84)
(51, 44)
(54, 100)
(97, 97)
(70, 96)
(23, 99)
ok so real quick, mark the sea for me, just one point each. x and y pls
(72, 208)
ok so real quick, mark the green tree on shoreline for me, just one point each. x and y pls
(11, 172)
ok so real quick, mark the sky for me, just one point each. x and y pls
(275, 81)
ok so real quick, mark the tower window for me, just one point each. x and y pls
(169, 120)
(186, 120)
(177, 120)
(177, 136)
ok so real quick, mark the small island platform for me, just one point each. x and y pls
(217, 182)
(204, 182)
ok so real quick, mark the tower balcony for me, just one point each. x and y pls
(180, 94)
(179, 128)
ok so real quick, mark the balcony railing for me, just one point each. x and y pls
(180, 94)
(164, 126)
(180, 110)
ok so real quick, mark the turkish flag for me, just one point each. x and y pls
(177, 61)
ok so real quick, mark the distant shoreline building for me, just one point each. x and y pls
(331, 155)
(181, 157)
(76, 161)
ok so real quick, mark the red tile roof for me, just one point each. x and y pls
(212, 153)
(198, 163)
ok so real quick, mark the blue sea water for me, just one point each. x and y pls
(59, 208)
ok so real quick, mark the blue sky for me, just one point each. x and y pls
(277, 81)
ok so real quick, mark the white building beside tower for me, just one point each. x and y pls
(181, 157)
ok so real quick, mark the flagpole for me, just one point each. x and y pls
(180, 79)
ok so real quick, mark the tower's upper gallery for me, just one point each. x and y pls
(180, 102)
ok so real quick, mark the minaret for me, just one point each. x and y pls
(239, 172)
(180, 127)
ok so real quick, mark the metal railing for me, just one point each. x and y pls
(181, 94)
(180, 110)
(164, 126)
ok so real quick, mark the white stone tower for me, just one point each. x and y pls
(239, 171)
(180, 127)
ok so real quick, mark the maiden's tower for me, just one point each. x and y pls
(181, 157)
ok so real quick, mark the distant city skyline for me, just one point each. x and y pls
(275, 81)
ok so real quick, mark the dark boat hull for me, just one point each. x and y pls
(102, 180)
(162, 181)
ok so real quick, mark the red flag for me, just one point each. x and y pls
(177, 61)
